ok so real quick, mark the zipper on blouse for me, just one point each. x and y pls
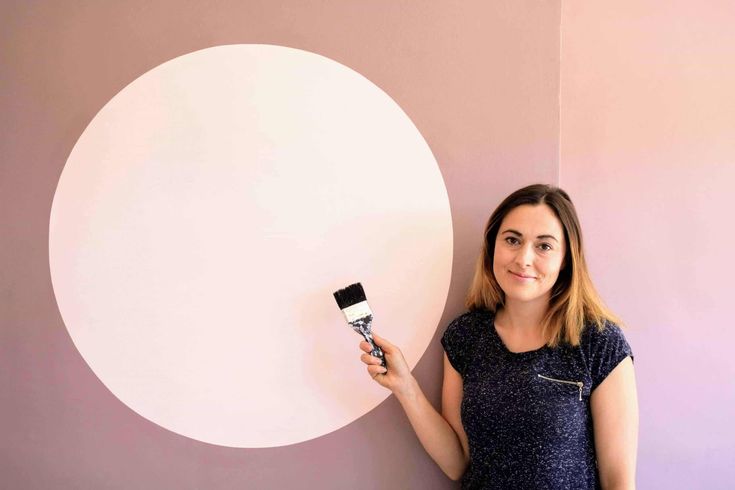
(577, 383)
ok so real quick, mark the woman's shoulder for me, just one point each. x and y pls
(603, 348)
(593, 334)
(470, 320)
(466, 327)
(461, 336)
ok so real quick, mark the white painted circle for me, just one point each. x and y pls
(204, 219)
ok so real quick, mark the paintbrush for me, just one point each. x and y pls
(353, 303)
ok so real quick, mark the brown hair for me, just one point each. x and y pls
(574, 300)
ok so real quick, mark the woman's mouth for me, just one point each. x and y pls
(521, 277)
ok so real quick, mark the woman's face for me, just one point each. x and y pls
(530, 243)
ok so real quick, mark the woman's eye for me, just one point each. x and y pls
(514, 241)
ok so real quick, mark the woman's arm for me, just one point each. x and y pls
(452, 393)
(442, 436)
(614, 406)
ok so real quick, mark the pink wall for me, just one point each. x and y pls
(648, 155)
(647, 147)
(480, 82)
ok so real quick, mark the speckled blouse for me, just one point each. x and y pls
(527, 415)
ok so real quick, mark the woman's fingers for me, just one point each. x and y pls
(368, 359)
(374, 364)
(374, 370)
(380, 342)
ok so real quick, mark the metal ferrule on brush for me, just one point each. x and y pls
(358, 311)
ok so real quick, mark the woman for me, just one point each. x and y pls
(539, 389)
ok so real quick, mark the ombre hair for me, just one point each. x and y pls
(574, 302)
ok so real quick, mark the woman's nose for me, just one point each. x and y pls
(524, 256)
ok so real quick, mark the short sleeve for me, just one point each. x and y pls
(606, 350)
(456, 343)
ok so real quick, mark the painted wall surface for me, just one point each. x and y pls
(204, 220)
(479, 80)
(648, 155)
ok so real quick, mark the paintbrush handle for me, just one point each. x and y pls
(376, 351)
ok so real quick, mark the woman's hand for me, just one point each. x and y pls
(397, 377)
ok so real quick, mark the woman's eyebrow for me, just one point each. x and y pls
(521, 234)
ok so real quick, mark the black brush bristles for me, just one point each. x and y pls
(351, 295)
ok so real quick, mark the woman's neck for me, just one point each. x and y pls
(522, 317)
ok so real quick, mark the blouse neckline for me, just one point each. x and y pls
(515, 355)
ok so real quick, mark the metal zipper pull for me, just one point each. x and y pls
(578, 383)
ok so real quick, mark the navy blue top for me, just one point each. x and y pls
(527, 415)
